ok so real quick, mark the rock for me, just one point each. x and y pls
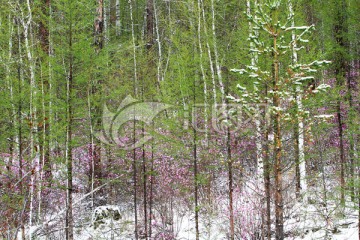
(105, 215)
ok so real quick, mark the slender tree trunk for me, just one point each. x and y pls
(196, 186)
(11, 86)
(48, 122)
(342, 153)
(301, 185)
(144, 190)
(91, 148)
(99, 25)
(352, 116)
(160, 75)
(358, 177)
(230, 179)
(227, 133)
(260, 174)
(43, 29)
(254, 62)
(117, 21)
(69, 119)
(195, 166)
(203, 75)
(19, 119)
(144, 173)
(134, 126)
(69, 216)
(151, 200)
(208, 47)
(111, 22)
(33, 110)
(149, 24)
(297, 161)
(267, 172)
(218, 68)
(135, 188)
(340, 30)
(279, 208)
(44, 133)
(95, 147)
(150, 43)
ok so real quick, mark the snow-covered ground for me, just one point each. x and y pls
(306, 223)
(314, 219)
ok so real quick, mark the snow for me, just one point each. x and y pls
(240, 87)
(305, 222)
(319, 219)
(324, 116)
(241, 71)
(313, 224)
(321, 88)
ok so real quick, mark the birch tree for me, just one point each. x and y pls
(299, 127)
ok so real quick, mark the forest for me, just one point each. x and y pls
(179, 119)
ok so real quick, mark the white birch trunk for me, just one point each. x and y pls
(203, 72)
(134, 43)
(218, 70)
(211, 64)
(227, 134)
(302, 165)
(35, 164)
(117, 21)
(160, 77)
(106, 32)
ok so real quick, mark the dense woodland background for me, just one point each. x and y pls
(289, 70)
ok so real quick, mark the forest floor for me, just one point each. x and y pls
(314, 220)
(320, 217)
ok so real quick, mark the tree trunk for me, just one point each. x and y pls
(95, 148)
(267, 173)
(196, 182)
(20, 122)
(117, 21)
(149, 24)
(69, 119)
(32, 111)
(352, 115)
(342, 153)
(301, 185)
(151, 200)
(99, 25)
(279, 211)
(231, 185)
(44, 125)
(227, 133)
(134, 125)
(340, 30)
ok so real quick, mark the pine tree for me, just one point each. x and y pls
(279, 80)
